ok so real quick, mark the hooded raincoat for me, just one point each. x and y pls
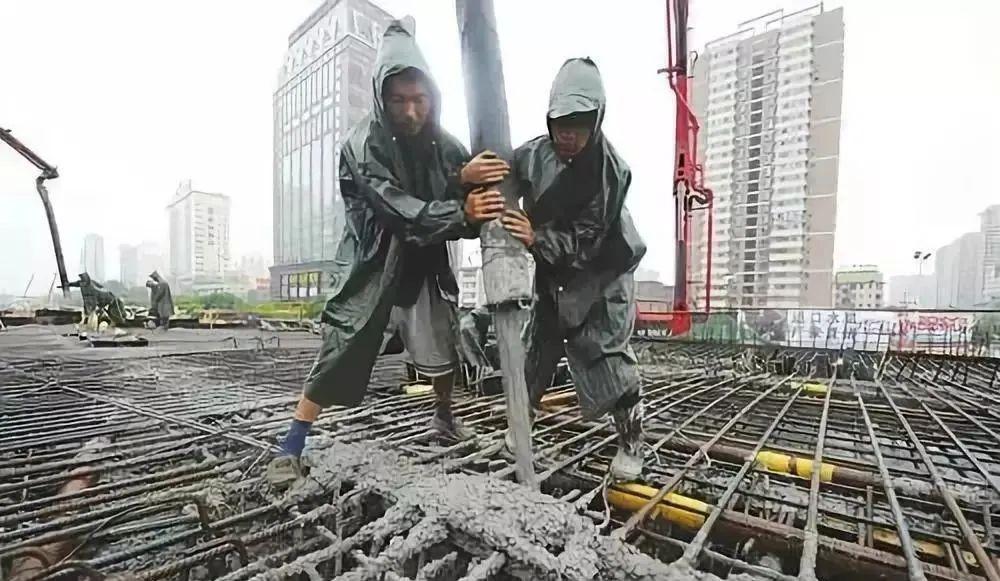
(160, 299)
(403, 200)
(586, 250)
(96, 298)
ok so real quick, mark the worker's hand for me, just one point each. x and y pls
(485, 168)
(483, 205)
(515, 222)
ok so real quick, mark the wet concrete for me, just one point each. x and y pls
(540, 536)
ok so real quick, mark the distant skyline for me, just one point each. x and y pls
(125, 109)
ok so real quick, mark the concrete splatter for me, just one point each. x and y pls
(540, 536)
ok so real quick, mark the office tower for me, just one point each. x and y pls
(199, 237)
(324, 88)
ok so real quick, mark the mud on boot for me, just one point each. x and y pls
(628, 461)
(283, 470)
(448, 426)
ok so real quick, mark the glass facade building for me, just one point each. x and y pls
(324, 88)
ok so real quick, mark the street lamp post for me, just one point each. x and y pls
(920, 257)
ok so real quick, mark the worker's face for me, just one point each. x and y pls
(570, 135)
(408, 102)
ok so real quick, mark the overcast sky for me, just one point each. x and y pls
(129, 97)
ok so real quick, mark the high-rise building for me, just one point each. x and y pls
(959, 271)
(769, 101)
(859, 287)
(199, 237)
(92, 256)
(913, 291)
(990, 230)
(138, 261)
(324, 88)
(152, 258)
(646, 274)
(128, 265)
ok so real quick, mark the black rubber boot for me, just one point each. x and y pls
(447, 425)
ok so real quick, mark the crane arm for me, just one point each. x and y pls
(48, 172)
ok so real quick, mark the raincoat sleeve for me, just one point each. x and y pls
(455, 160)
(576, 242)
(414, 220)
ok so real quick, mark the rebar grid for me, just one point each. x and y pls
(152, 468)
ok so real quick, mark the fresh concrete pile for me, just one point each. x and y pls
(534, 535)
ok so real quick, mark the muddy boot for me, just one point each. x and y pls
(448, 426)
(284, 470)
(628, 462)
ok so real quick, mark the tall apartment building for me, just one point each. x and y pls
(199, 238)
(959, 271)
(989, 220)
(860, 287)
(128, 265)
(471, 292)
(324, 88)
(769, 101)
(92, 256)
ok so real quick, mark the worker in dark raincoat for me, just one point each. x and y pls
(161, 302)
(405, 184)
(586, 249)
(98, 300)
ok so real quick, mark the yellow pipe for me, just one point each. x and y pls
(555, 401)
(813, 388)
(786, 464)
(925, 549)
(688, 512)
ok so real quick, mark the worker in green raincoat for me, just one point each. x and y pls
(586, 249)
(405, 184)
(161, 302)
(96, 299)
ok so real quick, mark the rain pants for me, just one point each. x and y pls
(586, 250)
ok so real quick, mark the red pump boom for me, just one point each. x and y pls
(690, 193)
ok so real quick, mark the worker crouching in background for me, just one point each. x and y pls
(99, 304)
(403, 180)
(586, 249)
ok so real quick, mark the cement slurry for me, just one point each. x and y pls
(540, 536)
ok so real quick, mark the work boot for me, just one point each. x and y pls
(628, 462)
(448, 426)
(283, 470)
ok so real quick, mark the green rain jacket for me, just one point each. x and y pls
(586, 250)
(396, 227)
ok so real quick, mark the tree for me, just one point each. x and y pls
(220, 301)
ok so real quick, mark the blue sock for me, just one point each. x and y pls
(295, 441)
